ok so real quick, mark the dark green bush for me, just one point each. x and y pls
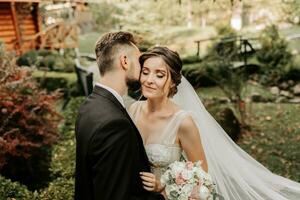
(292, 74)
(28, 59)
(49, 60)
(197, 77)
(274, 57)
(191, 59)
(63, 159)
(65, 64)
(51, 81)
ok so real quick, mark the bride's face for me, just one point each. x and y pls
(155, 78)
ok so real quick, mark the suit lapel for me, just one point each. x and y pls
(106, 94)
(140, 140)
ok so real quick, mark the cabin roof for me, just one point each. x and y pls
(39, 1)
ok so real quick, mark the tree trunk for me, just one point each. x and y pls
(203, 21)
(189, 14)
(241, 106)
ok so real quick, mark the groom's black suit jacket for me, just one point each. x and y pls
(109, 152)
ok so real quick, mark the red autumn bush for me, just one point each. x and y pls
(28, 120)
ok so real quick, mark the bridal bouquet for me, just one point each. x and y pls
(186, 181)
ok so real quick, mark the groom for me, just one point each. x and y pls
(109, 149)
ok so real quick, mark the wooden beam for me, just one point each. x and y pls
(38, 23)
(16, 26)
(24, 1)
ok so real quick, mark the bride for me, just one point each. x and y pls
(175, 125)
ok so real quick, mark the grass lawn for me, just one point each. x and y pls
(275, 138)
(216, 92)
(68, 76)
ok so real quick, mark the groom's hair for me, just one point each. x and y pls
(107, 46)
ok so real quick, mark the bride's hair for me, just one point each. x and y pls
(173, 61)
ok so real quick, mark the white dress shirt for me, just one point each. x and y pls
(114, 92)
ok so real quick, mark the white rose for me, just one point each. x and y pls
(187, 189)
(203, 192)
(187, 175)
(177, 167)
(201, 173)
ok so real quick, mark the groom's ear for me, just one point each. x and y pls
(124, 62)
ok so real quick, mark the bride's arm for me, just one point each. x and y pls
(189, 138)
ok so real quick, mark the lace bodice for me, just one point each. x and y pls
(161, 148)
(162, 155)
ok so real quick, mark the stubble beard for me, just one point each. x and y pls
(133, 84)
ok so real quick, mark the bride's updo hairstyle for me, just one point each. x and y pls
(172, 60)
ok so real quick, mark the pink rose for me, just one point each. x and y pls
(179, 180)
(189, 165)
(199, 183)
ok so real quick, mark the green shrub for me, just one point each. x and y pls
(191, 59)
(13, 190)
(274, 57)
(63, 157)
(51, 81)
(292, 74)
(219, 67)
(49, 60)
(28, 59)
(65, 64)
(196, 76)
(59, 189)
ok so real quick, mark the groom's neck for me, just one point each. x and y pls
(115, 82)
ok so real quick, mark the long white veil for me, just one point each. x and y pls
(237, 175)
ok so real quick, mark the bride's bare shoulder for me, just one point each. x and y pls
(188, 126)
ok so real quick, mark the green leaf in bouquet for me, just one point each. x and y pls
(174, 194)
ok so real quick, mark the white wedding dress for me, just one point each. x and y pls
(236, 174)
(160, 147)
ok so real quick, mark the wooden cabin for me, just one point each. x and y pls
(19, 22)
(22, 28)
